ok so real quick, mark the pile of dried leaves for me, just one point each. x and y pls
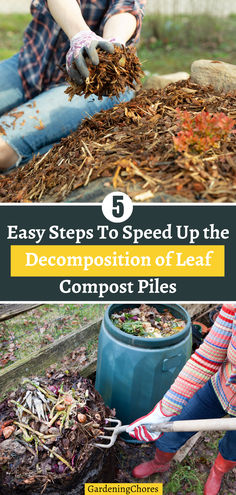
(47, 432)
(133, 143)
(112, 76)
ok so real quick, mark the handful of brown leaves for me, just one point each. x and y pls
(115, 72)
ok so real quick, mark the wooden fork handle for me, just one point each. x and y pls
(215, 424)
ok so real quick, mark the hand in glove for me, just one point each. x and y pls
(140, 432)
(85, 43)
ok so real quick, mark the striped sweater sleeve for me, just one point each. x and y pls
(202, 365)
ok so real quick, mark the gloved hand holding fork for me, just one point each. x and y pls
(138, 430)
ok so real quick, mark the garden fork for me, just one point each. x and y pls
(216, 424)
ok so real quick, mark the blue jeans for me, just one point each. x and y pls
(203, 405)
(35, 125)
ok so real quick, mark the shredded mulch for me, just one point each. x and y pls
(115, 72)
(48, 427)
(133, 144)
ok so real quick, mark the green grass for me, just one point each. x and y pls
(11, 33)
(167, 60)
(184, 475)
(168, 43)
(189, 30)
(191, 474)
(42, 326)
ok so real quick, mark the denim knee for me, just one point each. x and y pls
(227, 446)
(203, 405)
(11, 89)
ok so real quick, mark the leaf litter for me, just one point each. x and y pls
(133, 144)
(48, 427)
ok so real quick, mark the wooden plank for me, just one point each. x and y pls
(187, 447)
(197, 310)
(88, 370)
(8, 311)
(40, 360)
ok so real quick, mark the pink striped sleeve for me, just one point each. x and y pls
(202, 365)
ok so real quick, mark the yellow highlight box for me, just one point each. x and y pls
(117, 261)
(124, 488)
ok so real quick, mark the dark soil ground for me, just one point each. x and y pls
(185, 478)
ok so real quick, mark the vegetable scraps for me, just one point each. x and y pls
(47, 431)
(147, 321)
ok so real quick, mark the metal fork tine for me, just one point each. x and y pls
(115, 429)
(104, 436)
(103, 445)
(113, 420)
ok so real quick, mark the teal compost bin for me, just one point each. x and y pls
(133, 373)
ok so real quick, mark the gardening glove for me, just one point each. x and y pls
(140, 432)
(85, 43)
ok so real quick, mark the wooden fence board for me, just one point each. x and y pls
(89, 369)
(187, 447)
(195, 310)
(40, 360)
(8, 311)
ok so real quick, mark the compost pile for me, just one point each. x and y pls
(47, 431)
(133, 144)
(115, 72)
(147, 321)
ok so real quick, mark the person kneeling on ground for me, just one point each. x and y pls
(205, 388)
(61, 32)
